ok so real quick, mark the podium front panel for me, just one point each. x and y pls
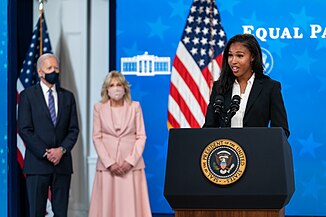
(267, 183)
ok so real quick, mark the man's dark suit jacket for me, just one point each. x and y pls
(265, 106)
(38, 132)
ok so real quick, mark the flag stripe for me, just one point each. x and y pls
(179, 67)
(192, 69)
(184, 107)
(21, 149)
(182, 94)
(20, 158)
(215, 67)
(173, 122)
(188, 79)
(178, 117)
(196, 65)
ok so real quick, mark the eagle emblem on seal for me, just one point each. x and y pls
(223, 162)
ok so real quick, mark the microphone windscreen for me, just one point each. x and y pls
(219, 99)
(218, 103)
(235, 103)
(236, 99)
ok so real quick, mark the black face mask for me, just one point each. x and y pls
(52, 77)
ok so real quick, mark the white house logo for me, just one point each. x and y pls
(145, 65)
(150, 65)
(267, 60)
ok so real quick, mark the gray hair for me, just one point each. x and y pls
(43, 57)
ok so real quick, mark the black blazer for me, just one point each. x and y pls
(265, 106)
(38, 133)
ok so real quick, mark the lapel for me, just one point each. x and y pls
(254, 93)
(125, 117)
(39, 95)
(227, 99)
(60, 103)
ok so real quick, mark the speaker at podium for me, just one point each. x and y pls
(228, 172)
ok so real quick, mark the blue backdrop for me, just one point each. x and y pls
(3, 108)
(293, 36)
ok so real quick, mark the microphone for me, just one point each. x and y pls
(235, 104)
(218, 104)
(234, 107)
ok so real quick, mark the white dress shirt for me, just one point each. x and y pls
(45, 90)
(237, 119)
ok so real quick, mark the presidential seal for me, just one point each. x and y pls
(223, 162)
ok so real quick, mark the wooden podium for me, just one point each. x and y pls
(263, 190)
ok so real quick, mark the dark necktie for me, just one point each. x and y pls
(52, 107)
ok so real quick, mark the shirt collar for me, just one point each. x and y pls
(250, 81)
(45, 88)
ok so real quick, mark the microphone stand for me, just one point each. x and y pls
(226, 116)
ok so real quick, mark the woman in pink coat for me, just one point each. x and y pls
(120, 187)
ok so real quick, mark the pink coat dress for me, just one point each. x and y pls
(119, 135)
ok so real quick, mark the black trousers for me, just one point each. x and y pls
(37, 191)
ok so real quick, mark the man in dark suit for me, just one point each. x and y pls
(48, 125)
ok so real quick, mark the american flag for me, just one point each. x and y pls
(28, 76)
(196, 65)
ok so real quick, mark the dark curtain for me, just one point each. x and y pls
(20, 27)
(112, 35)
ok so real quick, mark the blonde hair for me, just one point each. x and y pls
(108, 79)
